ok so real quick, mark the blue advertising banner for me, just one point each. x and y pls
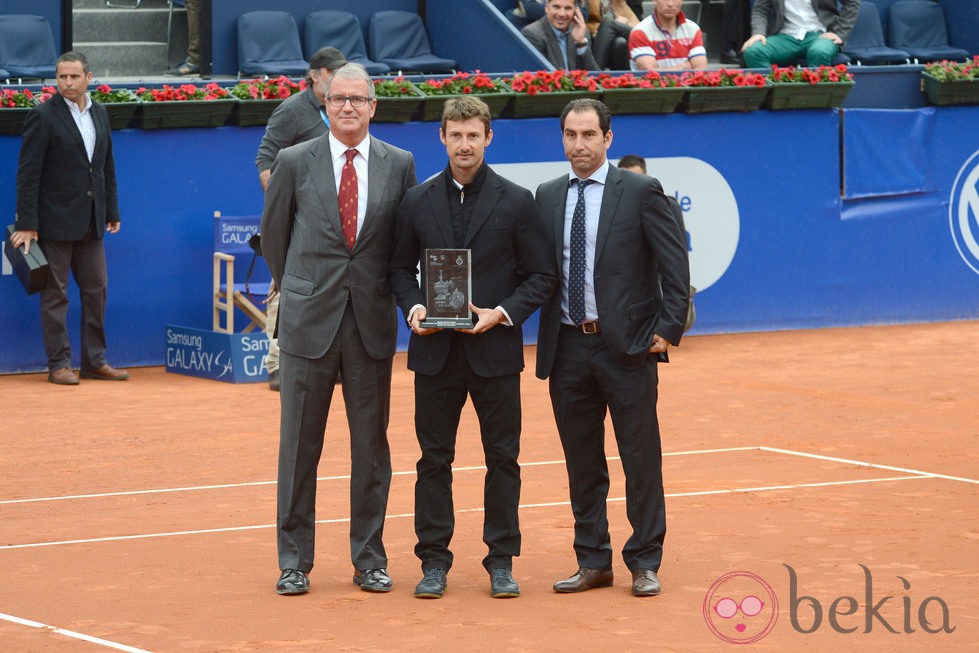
(774, 243)
(228, 357)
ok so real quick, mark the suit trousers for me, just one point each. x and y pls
(585, 383)
(439, 400)
(306, 393)
(85, 260)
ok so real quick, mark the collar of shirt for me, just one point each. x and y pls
(598, 176)
(339, 151)
(75, 108)
(465, 190)
(561, 36)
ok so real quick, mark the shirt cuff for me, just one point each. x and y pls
(411, 313)
(507, 321)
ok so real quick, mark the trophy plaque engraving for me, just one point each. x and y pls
(448, 289)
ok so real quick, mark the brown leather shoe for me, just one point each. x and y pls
(106, 373)
(585, 578)
(645, 582)
(62, 376)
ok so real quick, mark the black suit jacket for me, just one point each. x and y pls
(511, 267)
(56, 183)
(641, 270)
(542, 37)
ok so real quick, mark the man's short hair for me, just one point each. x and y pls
(585, 105)
(633, 161)
(352, 70)
(327, 58)
(74, 55)
(464, 108)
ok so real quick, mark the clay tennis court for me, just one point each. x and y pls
(139, 516)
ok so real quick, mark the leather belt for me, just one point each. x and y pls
(590, 328)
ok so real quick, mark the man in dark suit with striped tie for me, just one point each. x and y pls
(622, 302)
(327, 234)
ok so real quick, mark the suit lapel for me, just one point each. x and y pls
(321, 171)
(64, 114)
(378, 169)
(486, 200)
(560, 204)
(438, 200)
(610, 204)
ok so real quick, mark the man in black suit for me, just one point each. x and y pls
(622, 302)
(468, 206)
(327, 234)
(66, 199)
(562, 36)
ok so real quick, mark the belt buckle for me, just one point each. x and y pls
(590, 328)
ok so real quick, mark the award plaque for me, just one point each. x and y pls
(448, 289)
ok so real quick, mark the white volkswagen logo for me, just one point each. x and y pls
(963, 212)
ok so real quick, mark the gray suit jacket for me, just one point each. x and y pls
(642, 276)
(306, 252)
(768, 16)
(542, 37)
(296, 120)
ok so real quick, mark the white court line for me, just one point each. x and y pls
(71, 633)
(225, 486)
(341, 520)
(861, 463)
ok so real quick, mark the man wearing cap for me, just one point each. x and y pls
(300, 118)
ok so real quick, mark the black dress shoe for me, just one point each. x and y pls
(502, 585)
(645, 582)
(585, 578)
(292, 581)
(432, 584)
(373, 580)
(732, 57)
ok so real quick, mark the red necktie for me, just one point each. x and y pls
(347, 199)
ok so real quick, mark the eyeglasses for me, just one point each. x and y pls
(356, 101)
(750, 606)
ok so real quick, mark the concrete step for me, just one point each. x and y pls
(118, 4)
(90, 25)
(128, 58)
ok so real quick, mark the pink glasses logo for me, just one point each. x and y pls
(740, 607)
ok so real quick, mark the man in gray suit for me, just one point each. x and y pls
(327, 234)
(622, 300)
(562, 37)
(299, 118)
(784, 30)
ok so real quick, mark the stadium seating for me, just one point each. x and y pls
(341, 30)
(398, 39)
(866, 42)
(268, 44)
(918, 28)
(27, 46)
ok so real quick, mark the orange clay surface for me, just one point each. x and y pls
(140, 515)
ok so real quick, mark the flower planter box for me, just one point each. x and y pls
(945, 93)
(706, 99)
(121, 114)
(431, 108)
(250, 113)
(184, 113)
(643, 100)
(546, 104)
(398, 108)
(12, 119)
(802, 95)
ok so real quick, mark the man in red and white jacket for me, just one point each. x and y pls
(666, 40)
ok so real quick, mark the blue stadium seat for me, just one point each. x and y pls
(918, 28)
(341, 30)
(398, 38)
(268, 44)
(27, 46)
(866, 43)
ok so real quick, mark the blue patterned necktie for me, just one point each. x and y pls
(576, 268)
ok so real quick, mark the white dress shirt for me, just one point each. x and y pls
(83, 119)
(800, 19)
(593, 207)
(339, 153)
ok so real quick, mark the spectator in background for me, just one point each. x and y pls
(562, 36)
(666, 40)
(610, 23)
(637, 164)
(735, 27)
(299, 118)
(784, 30)
(66, 199)
(192, 64)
